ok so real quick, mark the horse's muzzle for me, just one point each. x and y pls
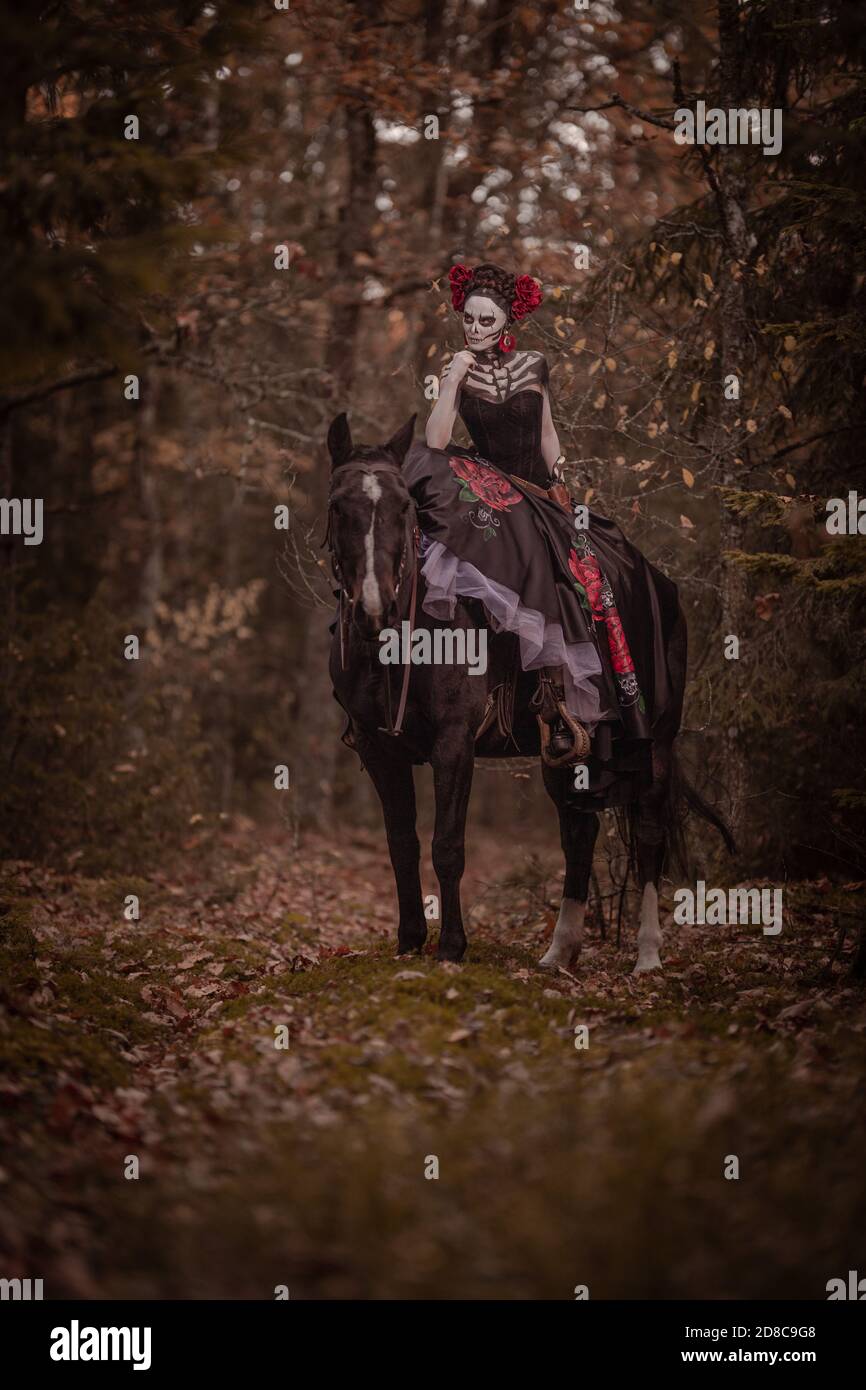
(370, 626)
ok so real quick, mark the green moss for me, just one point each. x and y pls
(17, 949)
(75, 1029)
(557, 1166)
(619, 1187)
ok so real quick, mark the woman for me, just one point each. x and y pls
(590, 613)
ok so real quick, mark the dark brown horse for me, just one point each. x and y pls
(431, 713)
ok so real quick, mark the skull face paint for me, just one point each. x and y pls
(483, 322)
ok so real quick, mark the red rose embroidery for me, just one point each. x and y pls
(486, 484)
(527, 296)
(620, 656)
(588, 575)
(587, 572)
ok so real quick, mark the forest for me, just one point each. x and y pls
(221, 225)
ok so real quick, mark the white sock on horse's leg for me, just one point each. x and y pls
(567, 934)
(649, 937)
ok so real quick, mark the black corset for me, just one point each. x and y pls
(508, 433)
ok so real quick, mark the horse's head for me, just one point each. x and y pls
(371, 521)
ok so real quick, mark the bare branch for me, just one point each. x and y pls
(41, 393)
(617, 100)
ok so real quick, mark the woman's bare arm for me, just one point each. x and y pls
(550, 450)
(440, 423)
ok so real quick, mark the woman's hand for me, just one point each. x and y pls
(441, 422)
(459, 366)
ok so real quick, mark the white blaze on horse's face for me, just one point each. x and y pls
(371, 596)
(483, 322)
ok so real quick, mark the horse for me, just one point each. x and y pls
(373, 538)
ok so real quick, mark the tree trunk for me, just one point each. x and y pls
(733, 352)
(328, 769)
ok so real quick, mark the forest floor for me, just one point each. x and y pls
(304, 1166)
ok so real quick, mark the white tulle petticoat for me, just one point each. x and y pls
(541, 640)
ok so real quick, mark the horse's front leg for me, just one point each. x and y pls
(391, 775)
(453, 762)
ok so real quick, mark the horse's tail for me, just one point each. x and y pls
(695, 802)
(683, 797)
(668, 824)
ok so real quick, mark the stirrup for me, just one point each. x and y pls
(581, 742)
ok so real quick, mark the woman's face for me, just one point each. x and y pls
(483, 322)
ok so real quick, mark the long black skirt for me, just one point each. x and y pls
(577, 596)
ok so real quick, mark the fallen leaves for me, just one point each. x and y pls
(192, 959)
(191, 998)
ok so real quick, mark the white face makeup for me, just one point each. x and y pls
(483, 322)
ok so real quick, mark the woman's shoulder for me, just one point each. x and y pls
(530, 368)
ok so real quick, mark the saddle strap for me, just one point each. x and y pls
(557, 492)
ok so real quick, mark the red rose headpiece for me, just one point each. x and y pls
(459, 276)
(518, 296)
(527, 296)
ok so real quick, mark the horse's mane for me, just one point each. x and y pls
(371, 453)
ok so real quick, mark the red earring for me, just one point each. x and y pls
(506, 342)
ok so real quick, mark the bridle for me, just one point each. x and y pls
(408, 558)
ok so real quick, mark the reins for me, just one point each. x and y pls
(409, 555)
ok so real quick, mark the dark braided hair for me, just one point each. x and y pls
(494, 282)
(517, 295)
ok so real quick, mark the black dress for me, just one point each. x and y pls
(577, 596)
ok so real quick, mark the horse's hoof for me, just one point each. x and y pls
(549, 961)
(450, 955)
(650, 963)
(411, 943)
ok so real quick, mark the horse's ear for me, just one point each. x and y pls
(399, 443)
(339, 440)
